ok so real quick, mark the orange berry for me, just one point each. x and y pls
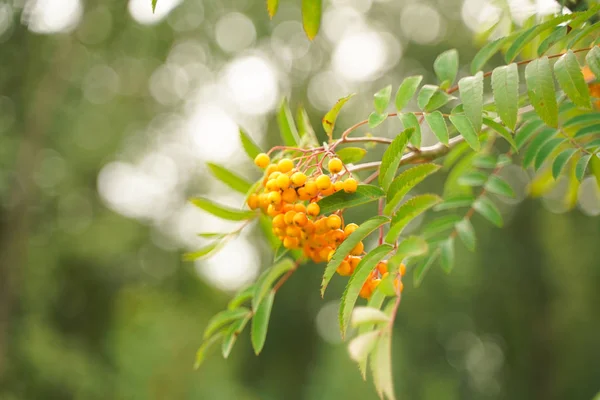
(291, 242)
(382, 267)
(293, 231)
(323, 182)
(311, 188)
(275, 198)
(263, 199)
(283, 181)
(353, 260)
(350, 185)
(337, 236)
(335, 165)
(366, 291)
(262, 160)
(298, 179)
(339, 185)
(350, 228)
(334, 222)
(270, 169)
(313, 209)
(287, 207)
(398, 285)
(309, 227)
(330, 255)
(374, 283)
(302, 195)
(344, 269)
(329, 191)
(278, 221)
(289, 217)
(402, 269)
(358, 249)
(321, 226)
(324, 252)
(274, 175)
(299, 207)
(272, 210)
(289, 195)
(279, 232)
(253, 202)
(300, 219)
(285, 165)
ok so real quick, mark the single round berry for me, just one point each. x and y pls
(293, 231)
(354, 260)
(311, 188)
(300, 219)
(382, 267)
(350, 185)
(358, 249)
(283, 181)
(272, 185)
(278, 221)
(274, 175)
(272, 210)
(291, 242)
(350, 228)
(298, 179)
(323, 182)
(313, 209)
(299, 207)
(335, 165)
(289, 217)
(302, 195)
(285, 165)
(336, 237)
(253, 202)
(339, 185)
(344, 269)
(328, 192)
(262, 160)
(309, 227)
(334, 222)
(289, 195)
(274, 198)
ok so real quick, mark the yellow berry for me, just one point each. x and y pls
(283, 181)
(262, 160)
(274, 198)
(344, 269)
(272, 210)
(382, 267)
(309, 227)
(299, 207)
(298, 179)
(321, 226)
(339, 185)
(353, 260)
(366, 291)
(274, 175)
(278, 221)
(313, 209)
(289, 195)
(285, 165)
(302, 195)
(323, 182)
(311, 188)
(253, 202)
(350, 228)
(335, 165)
(300, 219)
(334, 222)
(329, 191)
(293, 231)
(324, 253)
(291, 242)
(330, 255)
(289, 217)
(402, 269)
(272, 185)
(358, 249)
(350, 185)
(263, 199)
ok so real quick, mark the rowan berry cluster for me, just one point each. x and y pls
(289, 194)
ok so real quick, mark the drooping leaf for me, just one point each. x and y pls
(447, 255)
(311, 17)
(268, 278)
(499, 186)
(350, 155)
(423, 266)
(593, 60)
(446, 67)
(260, 322)
(409, 211)
(231, 335)
(404, 182)
(203, 252)
(360, 347)
(204, 347)
(570, 78)
(485, 53)
(436, 122)
(223, 319)
(488, 210)
(557, 34)
(471, 94)
(249, 146)
(561, 160)
(536, 144)
(501, 130)
(376, 119)
(440, 225)
(505, 87)
(407, 90)
(230, 178)
(546, 151)
(367, 315)
(381, 99)
(222, 211)
(431, 98)
(272, 6)
(364, 230)
(331, 116)
(527, 36)
(465, 128)
(473, 178)
(466, 233)
(581, 166)
(356, 281)
(455, 202)
(243, 296)
(527, 131)
(392, 157)
(541, 90)
(409, 120)
(364, 194)
(381, 366)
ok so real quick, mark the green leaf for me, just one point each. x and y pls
(570, 78)
(350, 155)
(501, 130)
(561, 160)
(404, 182)
(440, 225)
(229, 178)
(311, 17)
(305, 129)
(241, 297)
(536, 145)
(486, 161)
(527, 36)
(581, 166)
(331, 116)
(499, 186)
(431, 98)
(268, 278)
(466, 233)
(272, 6)
(473, 178)
(381, 366)
(486, 53)
(367, 315)
(447, 255)
(582, 119)
(280, 253)
(204, 347)
(527, 131)
(409, 211)
(363, 230)
(505, 86)
(231, 335)
(375, 301)
(356, 281)
(556, 35)
(392, 157)
(360, 347)
(364, 194)
(223, 319)
(203, 252)
(412, 246)
(446, 66)
(588, 130)
(382, 99)
(376, 119)
(488, 210)
(471, 94)
(422, 268)
(266, 227)
(154, 5)
(465, 128)
(455, 202)
(546, 150)
(407, 90)
(287, 127)
(541, 90)
(436, 122)
(212, 235)
(221, 211)
(409, 120)
(576, 35)
(249, 146)
(260, 322)
(593, 60)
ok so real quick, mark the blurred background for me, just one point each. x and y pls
(108, 114)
